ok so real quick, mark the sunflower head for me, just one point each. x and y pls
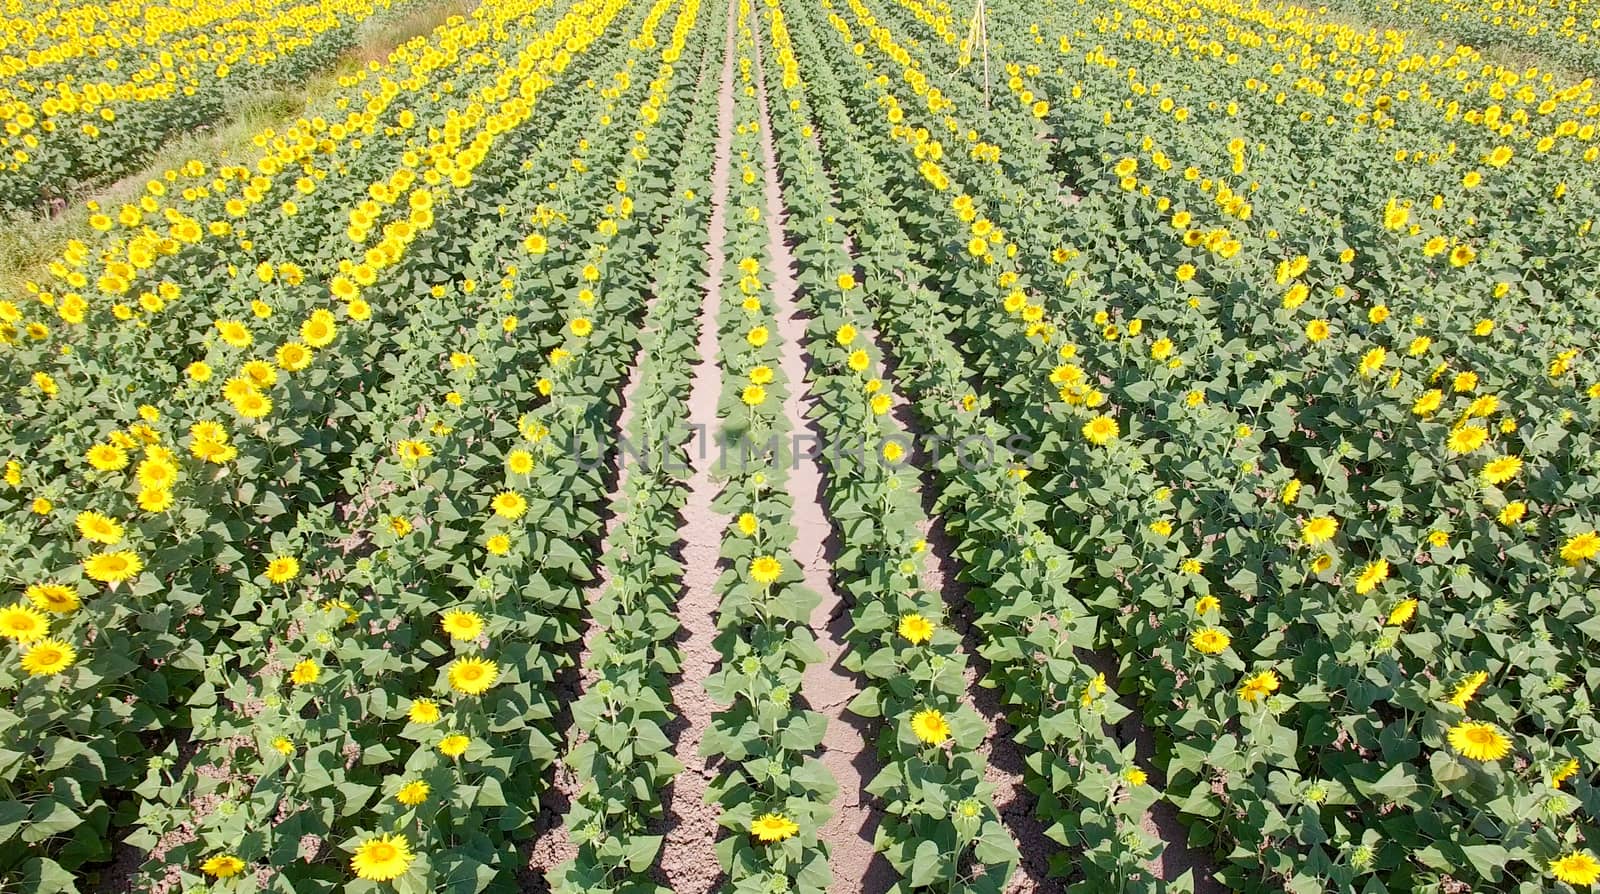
(49, 657)
(765, 569)
(773, 827)
(382, 858)
(930, 726)
(916, 629)
(23, 623)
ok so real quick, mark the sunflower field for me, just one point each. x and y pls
(805, 445)
(89, 91)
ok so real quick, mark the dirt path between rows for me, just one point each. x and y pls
(688, 860)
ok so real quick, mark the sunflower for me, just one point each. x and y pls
(51, 656)
(157, 473)
(757, 336)
(424, 711)
(1291, 491)
(1479, 741)
(1487, 405)
(222, 866)
(283, 569)
(1581, 547)
(1135, 777)
(916, 629)
(472, 676)
(98, 528)
(1260, 686)
(412, 451)
(155, 499)
(519, 462)
(260, 372)
(234, 333)
(1207, 604)
(930, 726)
(382, 858)
(582, 327)
(56, 598)
(773, 827)
(107, 457)
(1376, 572)
(253, 405)
(1468, 688)
(1403, 612)
(1210, 640)
(305, 673)
(1467, 438)
(293, 356)
(765, 569)
(319, 330)
(23, 623)
(1513, 512)
(509, 504)
(1318, 530)
(1502, 469)
(753, 395)
(749, 524)
(412, 793)
(1096, 688)
(1576, 868)
(1101, 430)
(454, 745)
(1562, 773)
(462, 624)
(238, 388)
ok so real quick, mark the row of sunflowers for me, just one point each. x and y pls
(765, 736)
